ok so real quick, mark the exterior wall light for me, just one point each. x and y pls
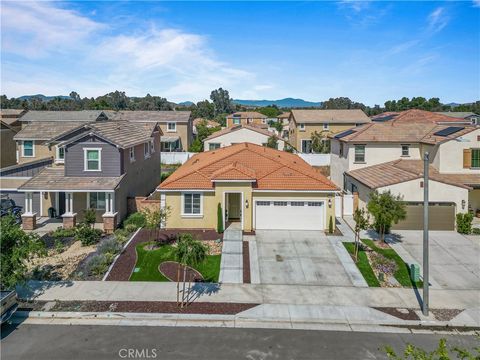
(329, 202)
(463, 204)
(246, 203)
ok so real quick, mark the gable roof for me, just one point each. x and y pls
(149, 116)
(330, 116)
(60, 116)
(457, 114)
(393, 131)
(284, 115)
(46, 130)
(6, 125)
(416, 115)
(123, 134)
(240, 127)
(271, 169)
(398, 171)
(247, 114)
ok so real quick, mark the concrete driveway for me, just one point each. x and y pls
(454, 258)
(298, 258)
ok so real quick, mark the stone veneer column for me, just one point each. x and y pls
(69, 221)
(29, 221)
(109, 222)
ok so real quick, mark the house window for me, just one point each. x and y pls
(475, 158)
(405, 150)
(59, 154)
(354, 188)
(92, 160)
(340, 151)
(249, 120)
(306, 146)
(359, 153)
(132, 154)
(301, 127)
(171, 127)
(192, 204)
(213, 146)
(27, 148)
(326, 126)
(96, 201)
(146, 150)
(236, 121)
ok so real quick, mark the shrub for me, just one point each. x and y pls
(109, 246)
(164, 176)
(219, 219)
(130, 228)
(59, 246)
(476, 231)
(464, 223)
(137, 218)
(330, 225)
(97, 265)
(61, 233)
(87, 235)
(89, 217)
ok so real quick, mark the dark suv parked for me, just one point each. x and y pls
(8, 206)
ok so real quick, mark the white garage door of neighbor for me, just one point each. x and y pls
(289, 215)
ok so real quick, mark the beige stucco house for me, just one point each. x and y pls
(258, 187)
(304, 123)
(239, 134)
(388, 156)
(246, 118)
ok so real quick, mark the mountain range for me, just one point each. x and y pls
(285, 103)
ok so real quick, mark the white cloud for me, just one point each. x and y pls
(437, 20)
(355, 5)
(35, 29)
(476, 3)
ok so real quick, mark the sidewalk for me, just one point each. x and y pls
(249, 293)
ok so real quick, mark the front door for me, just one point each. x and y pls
(234, 208)
(61, 204)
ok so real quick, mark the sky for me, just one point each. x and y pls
(368, 51)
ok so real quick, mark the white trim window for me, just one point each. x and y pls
(59, 154)
(96, 200)
(171, 127)
(213, 146)
(132, 154)
(359, 154)
(405, 150)
(301, 127)
(236, 120)
(192, 204)
(92, 159)
(326, 126)
(146, 150)
(28, 148)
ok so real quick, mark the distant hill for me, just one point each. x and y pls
(283, 103)
(186, 103)
(42, 97)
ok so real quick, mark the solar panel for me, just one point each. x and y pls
(449, 131)
(343, 134)
(384, 118)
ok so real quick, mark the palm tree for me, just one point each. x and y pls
(189, 252)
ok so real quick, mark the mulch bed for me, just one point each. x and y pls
(401, 313)
(246, 263)
(445, 314)
(122, 270)
(169, 307)
(169, 269)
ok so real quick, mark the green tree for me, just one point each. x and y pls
(16, 249)
(272, 142)
(89, 217)
(204, 109)
(464, 223)
(386, 209)
(221, 101)
(342, 103)
(219, 219)
(362, 222)
(320, 142)
(269, 111)
(189, 252)
(196, 146)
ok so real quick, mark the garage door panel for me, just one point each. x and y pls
(441, 217)
(289, 215)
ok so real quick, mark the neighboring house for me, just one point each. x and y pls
(284, 119)
(304, 123)
(176, 126)
(246, 118)
(473, 118)
(8, 155)
(259, 187)
(104, 163)
(388, 156)
(417, 116)
(11, 117)
(240, 134)
(210, 124)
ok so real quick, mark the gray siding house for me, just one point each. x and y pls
(104, 163)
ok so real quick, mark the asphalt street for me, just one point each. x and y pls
(81, 342)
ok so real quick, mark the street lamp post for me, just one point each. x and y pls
(425, 233)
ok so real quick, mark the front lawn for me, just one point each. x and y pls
(401, 274)
(149, 260)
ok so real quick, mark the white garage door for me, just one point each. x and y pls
(289, 215)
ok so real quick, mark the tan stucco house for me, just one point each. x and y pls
(304, 123)
(239, 134)
(388, 156)
(246, 118)
(258, 187)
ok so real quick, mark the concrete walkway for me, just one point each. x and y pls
(231, 266)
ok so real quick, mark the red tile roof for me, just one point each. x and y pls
(271, 169)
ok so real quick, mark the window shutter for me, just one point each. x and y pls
(467, 158)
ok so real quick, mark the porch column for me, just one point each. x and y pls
(29, 218)
(110, 216)
(69, 218)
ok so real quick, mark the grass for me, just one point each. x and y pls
(402, 274)
(363, 265)
(149, 260)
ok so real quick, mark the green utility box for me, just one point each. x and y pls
(415, 272)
